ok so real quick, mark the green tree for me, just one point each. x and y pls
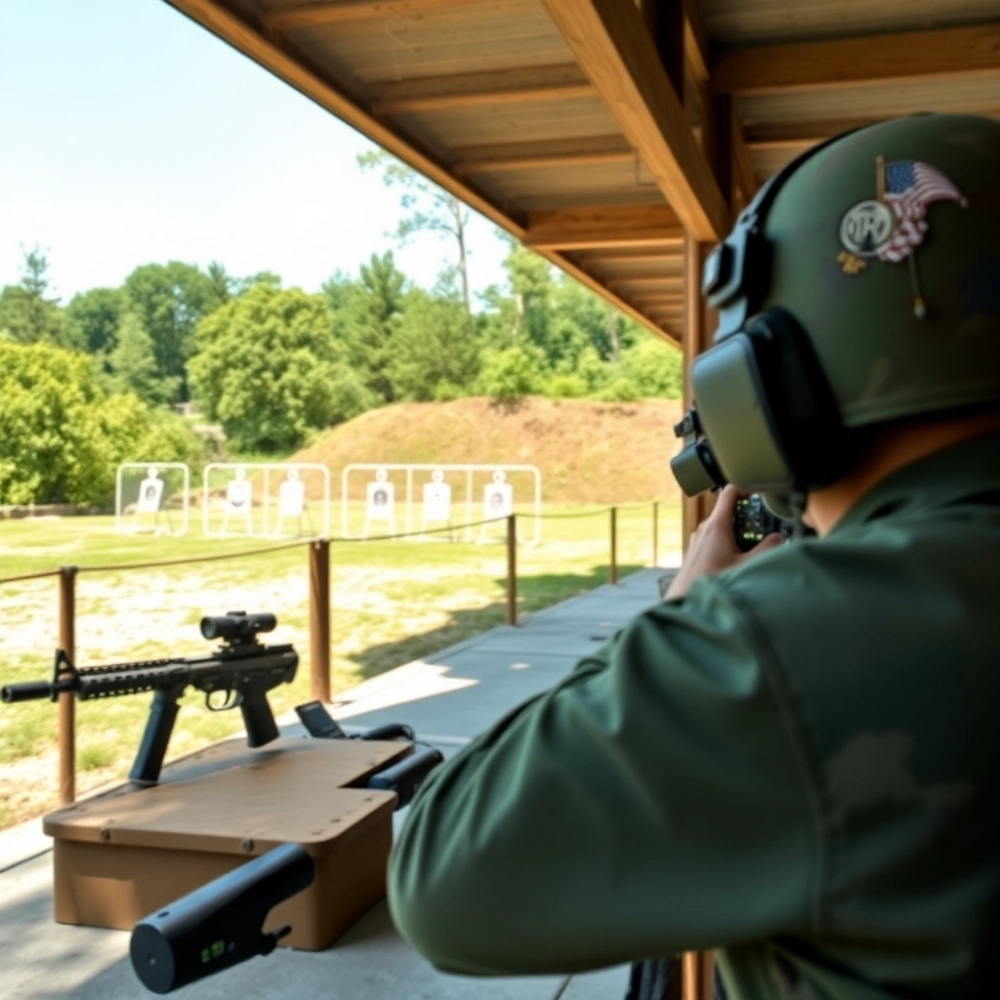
(93, 318)
(63, 437)
(654, 367)
(512, 373)
(434, 357)
(26, 313)
(269, 369)
(132, 365)
(366, 318)
(169, 299)
(430, 208)
(224, 285)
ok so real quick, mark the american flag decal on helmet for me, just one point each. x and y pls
(910, 186)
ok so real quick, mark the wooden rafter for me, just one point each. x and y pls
(468, 90)
(603, 227)
(297, 73)
(614, 49)
(311, 14)
(536, 155)
(668, 262)
(695, 42)
(947, 53)
(663, 284)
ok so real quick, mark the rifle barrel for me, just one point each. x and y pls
(28, 691)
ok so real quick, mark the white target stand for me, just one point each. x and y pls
(144, 495)
(488, 492)
(265, 499)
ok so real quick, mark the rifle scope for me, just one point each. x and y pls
(220, 924)
(237, 626)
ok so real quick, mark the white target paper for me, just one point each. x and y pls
(498, 500)
(239, 494)
(437, 502)
(291, 498)
(381, 500)
(150, 495)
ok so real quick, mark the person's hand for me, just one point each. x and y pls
(713, 546)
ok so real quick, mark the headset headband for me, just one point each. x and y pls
(737, 273)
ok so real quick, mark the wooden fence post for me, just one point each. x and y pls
(512, 569)
(656, 533)
(67, 700)
(613, 568)
(319, 619)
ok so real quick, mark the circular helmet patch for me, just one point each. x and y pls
(867, 227)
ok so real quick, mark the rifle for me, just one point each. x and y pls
(242, 668)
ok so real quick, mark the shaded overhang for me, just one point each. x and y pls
(605, 134)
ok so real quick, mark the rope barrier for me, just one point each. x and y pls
(336, 539)
(29, 576)
(188, 560)
(417, 534)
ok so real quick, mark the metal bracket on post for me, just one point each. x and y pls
(613, 567)
(512, 569)
(319, 620)
(656, 533)
(67, 702)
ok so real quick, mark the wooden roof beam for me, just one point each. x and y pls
(943, 53)
(613, 47)
(469, 90)
(608, 226)
(309, 15)
(541, 155)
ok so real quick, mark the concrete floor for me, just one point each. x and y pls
(447, 699)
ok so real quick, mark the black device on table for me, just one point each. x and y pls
(221, 924)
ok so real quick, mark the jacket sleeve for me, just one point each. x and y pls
(651, 802)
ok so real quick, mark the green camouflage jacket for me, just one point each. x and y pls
(792, 764)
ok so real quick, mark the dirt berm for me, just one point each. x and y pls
(588, 452)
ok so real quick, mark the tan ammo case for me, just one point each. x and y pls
(126, 853)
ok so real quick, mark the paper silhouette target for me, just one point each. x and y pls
(381, 503)
(239, 502)
(150, 493)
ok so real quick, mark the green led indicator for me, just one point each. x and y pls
(214, 950)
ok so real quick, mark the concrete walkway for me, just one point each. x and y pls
(447, 699)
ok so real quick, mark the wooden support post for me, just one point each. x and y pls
(512, 569)
(67, 700)
(319, 619)
(613, 567)
(665, 21)
(656, 533)
(698, 975)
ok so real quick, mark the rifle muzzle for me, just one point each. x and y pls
(29, 691)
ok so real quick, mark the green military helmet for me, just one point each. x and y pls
(887, 251)
(861, 285)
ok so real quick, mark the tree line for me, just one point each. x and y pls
(88, 384)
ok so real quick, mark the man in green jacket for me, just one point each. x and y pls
(791, 759)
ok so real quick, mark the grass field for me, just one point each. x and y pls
(392, 602)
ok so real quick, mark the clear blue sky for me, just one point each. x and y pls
(130, 135)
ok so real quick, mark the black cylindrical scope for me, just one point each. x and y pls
(220, 924)
(237, 625)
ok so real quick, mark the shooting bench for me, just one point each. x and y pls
(121, 855)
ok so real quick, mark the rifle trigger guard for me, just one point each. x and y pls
(232, 700)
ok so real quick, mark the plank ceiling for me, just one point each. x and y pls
(576, 124)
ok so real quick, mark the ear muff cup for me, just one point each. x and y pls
(767, 409)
